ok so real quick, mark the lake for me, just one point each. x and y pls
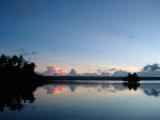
(86, 101)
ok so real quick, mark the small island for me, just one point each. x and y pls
(132, 78)
(131, 81)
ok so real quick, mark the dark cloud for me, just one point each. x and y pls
(151, 68)
(148, 70)
(25, 52)
(73, 72)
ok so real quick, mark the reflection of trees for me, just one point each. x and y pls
(58, 88)
(101, 87)
(17, 82)
(131, 86)
(14, 96)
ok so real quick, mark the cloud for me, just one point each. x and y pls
(97, 73)
(149, 74)
(55, 70)
(72, 72)
(120, 73)
(148, 70)
(115, 71)
(90, 74)
(25, 52)
(151, 68)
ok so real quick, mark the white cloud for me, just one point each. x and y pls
(148, 70)
(120, 73)
(55, 70)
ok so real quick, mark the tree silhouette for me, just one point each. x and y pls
(131, 81)
(132, 78)
(18, 81)
(15, 66)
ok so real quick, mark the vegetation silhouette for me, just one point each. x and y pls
(14, 96)
(131, 81)
(18, 81)
(132, 78)
(131, 86)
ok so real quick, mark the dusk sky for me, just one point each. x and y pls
(82, 34)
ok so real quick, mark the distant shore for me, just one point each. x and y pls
(95, 78)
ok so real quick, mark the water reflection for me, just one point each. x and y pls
(131, 86)
(15, 96)
(55, 89)
(149, 89)
(152, 92)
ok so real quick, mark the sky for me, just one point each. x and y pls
(82, 34)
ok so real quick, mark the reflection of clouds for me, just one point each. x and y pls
(113, 88)
(107, 88)
(56, 89)
(151, 89)
(152, 92)
(72, 87)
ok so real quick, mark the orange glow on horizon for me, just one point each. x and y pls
(59, 90)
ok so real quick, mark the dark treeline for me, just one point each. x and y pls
(18, 81)
(15, 67)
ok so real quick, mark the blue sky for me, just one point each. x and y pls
(82, 34)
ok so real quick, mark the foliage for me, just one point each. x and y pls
(18, 81)
(15, 65)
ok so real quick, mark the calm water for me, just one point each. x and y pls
(90, 101)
